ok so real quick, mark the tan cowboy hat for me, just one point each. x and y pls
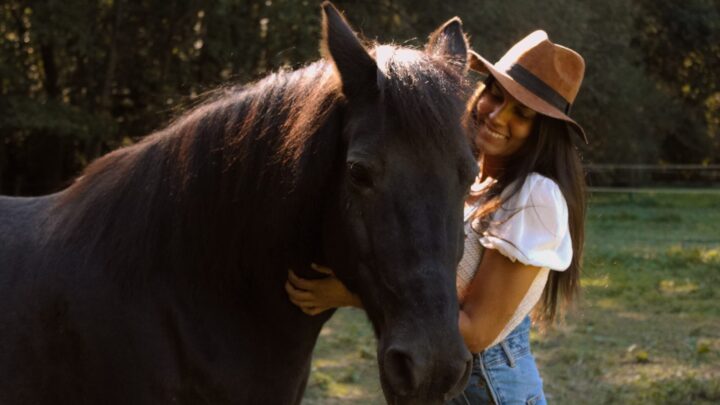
(540, 74)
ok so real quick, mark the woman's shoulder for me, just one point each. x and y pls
(536, 189)
(532, 225)
(539, 183)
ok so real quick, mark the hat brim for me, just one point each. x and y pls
(523, 95)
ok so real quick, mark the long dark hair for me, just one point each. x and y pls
(549, 151)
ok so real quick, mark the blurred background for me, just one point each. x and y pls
(80, 78)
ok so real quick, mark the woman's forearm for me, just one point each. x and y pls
(478, 334)
(492, 298)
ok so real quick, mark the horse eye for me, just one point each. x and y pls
(360, 175)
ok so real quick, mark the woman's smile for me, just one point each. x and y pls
(492, 133)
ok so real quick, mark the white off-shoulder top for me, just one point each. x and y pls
(530, 227)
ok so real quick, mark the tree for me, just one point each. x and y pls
(78, 78)
(679, 45)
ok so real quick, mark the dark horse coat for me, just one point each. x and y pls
(157, 276)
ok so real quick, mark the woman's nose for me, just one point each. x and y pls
(501, 113)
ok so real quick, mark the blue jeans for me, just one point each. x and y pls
(505, 374)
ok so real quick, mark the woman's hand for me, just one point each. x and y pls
(316, 296)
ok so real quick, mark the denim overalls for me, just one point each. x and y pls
(505, 374)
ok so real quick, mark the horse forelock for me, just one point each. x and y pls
(425, 92)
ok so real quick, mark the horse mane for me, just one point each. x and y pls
(243, 174)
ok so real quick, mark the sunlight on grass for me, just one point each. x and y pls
(710, 255)
(705, 255)
(671, 287)
(602, 281)
(345, 389)
(344, 368)
(608, 303)
(657, 384)
(326, 331)
(635, 316)
(335, 362)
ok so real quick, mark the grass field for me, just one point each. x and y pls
(646, 331)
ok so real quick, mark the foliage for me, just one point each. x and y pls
(679, 44)
(79, 78)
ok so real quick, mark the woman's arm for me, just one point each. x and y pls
(492, 298)
(316, 296)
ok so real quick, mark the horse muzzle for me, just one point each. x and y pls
(418, 370)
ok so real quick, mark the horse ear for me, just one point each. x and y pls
(450, 42)
(358, 70)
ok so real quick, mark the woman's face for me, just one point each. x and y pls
(503, 122)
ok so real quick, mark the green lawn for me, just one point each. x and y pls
(646, 331)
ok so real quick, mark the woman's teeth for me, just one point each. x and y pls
(496, 134)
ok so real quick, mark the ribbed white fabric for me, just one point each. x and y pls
(531, 227)
(470, 261)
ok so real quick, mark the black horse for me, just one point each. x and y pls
(157, 276)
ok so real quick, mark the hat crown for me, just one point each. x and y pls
(560, 68)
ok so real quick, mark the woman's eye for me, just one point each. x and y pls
(526, 113)
(495, 91)
(360, 175)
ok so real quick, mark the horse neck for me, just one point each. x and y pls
(203, 203)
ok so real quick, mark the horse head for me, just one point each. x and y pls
(394, 231)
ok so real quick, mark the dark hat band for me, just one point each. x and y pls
(533, 83)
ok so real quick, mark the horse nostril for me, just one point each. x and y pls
(401, 371)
